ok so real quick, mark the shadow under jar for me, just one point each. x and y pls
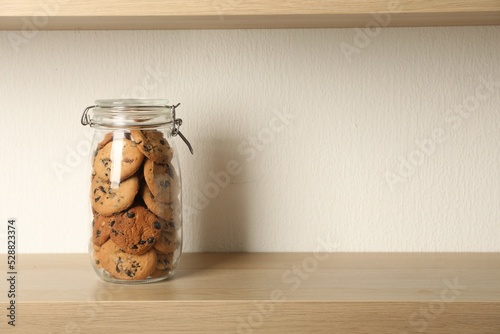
(136, 193)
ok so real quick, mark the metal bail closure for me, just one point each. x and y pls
(85, 116)
(177, 125)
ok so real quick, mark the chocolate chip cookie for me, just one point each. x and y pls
(159, 273)
(162, 181)
(107, 138)
(108, 199)
(165, 261)
(136, 230)
(118, 160)
(126, 266)
(166, 211)
(168, 241)
(101, 228)
(153, 145)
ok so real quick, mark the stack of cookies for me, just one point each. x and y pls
(135, 202)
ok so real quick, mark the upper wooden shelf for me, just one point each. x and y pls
(230, 14)
(343, 293)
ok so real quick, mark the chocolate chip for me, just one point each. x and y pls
(129, 273)
(98, 233)
(133, 247)
(130, 214)
(102, 189)
(162, 142)
(111, 223)
(157, 225)
(151, 240)
(117, 269)
(142, 242)
(97, 199)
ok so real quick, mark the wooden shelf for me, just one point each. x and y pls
(223, 292)
(230, 14)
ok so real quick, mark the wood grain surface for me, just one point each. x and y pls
(231, 14)
(266, 293)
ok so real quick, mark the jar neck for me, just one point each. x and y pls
(129, 113)
(134, 114)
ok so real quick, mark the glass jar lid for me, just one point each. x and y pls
(131, 103)
(128, 113)
(134, 114)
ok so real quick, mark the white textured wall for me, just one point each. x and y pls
(321, 173)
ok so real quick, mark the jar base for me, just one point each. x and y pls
(106, 277)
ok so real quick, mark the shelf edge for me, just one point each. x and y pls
(248, 22)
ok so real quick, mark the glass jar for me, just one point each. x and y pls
(136, 193)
